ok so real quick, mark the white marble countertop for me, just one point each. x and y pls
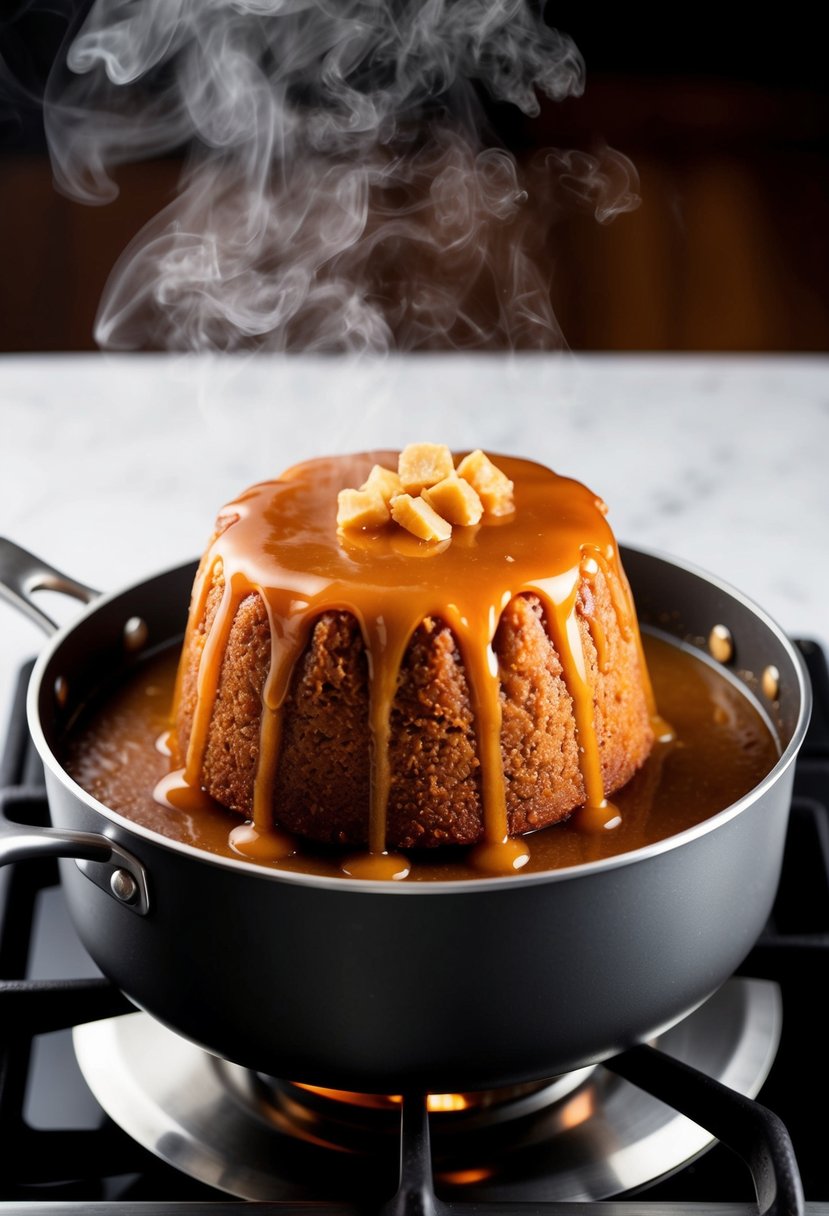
(113, 467)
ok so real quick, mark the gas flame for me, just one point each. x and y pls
(435, 1103)
(342, 189)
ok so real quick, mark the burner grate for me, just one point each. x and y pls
(102, 1170)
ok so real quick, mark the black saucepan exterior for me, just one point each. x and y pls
(436, 986)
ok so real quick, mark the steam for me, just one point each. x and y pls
(342, 190)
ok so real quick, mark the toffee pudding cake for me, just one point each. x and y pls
(377, 658)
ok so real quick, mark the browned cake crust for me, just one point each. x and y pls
(322, 786)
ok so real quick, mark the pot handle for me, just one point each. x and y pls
(21, 574)
(103, 861)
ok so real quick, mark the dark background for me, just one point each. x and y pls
(725, 117)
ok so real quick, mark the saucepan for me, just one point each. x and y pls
(435, 986)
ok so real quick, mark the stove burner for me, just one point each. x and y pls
(340, 1119)
(585, 1136)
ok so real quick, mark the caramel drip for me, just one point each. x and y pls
(208, 678)
(380, 867)
(475, 635)
(619, 596)
(288, 638)
(385, 644)
(597, 633)
(283, 544)
(563, 628)
(166, 743)
(265, 844)
(621, 599)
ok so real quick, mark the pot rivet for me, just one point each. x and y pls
(135, 633)
(721, 643)
(770, 682)
(124, 886)
(61, 692)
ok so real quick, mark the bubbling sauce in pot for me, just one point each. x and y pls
(721, 748)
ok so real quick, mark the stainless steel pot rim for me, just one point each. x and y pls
(432, 888)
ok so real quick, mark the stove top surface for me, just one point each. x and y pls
(67, 1094)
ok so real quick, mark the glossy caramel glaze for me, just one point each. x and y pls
(721, 750)
(279, 541)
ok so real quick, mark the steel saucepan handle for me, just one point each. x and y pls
(103, 861)
(19, 842)
(21, 574)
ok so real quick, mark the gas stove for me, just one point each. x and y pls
(103, 1110)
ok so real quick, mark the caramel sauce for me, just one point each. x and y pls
(720, 749)
(282, 543)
